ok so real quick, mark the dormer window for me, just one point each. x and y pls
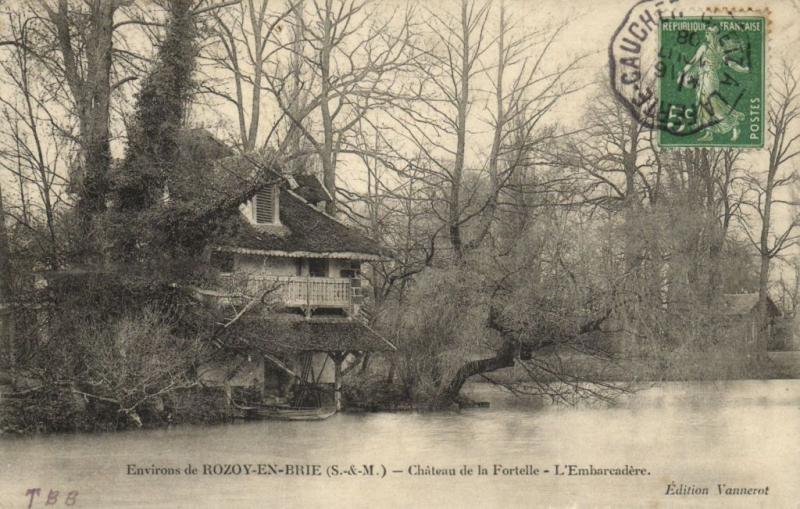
(265, 204)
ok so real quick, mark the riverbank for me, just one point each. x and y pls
(37, 412)
(786, 363)
(694, 366)
(374, 394)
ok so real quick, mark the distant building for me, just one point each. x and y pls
(741, 311)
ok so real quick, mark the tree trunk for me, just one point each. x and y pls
(257, 25)
(763, 318)
(487, 217)
(7, 347)
(328, 157)
(454, 215)
(715, 269)
(631, 203)
(91, 93)
(766, 256)
(503, 359)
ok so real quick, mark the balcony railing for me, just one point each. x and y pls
(299, 291)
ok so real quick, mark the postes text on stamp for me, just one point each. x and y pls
(711, 79)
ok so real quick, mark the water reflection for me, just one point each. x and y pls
(700, 433)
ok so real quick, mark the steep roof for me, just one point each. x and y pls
(234, 177)
(744, 303)
(304, 231)
(211, 174)
(199, 145)
(311, 189)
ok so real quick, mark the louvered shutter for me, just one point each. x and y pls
(265, 205)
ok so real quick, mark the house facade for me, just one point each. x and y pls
(285, 239)
(285, 249)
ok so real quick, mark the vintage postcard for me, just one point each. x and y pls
(399, 254)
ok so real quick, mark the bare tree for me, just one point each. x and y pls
(85, 43)
(34, 149)
(351, 62)
(324, 65)
(441, 123)
(767, 190)
(248, 41)
(524, 93)
(449, 68)
(614, 158)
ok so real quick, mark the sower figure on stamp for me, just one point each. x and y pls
(703, 70)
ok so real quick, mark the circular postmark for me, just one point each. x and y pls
(633, 58)
(697, 80)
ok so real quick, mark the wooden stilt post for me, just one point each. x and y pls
(226, 387)
(337, 358)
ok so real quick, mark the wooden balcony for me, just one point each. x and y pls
(303, 292)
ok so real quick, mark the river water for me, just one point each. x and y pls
(741, 434)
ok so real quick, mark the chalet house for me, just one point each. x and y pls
(279, 243)
(284, 245)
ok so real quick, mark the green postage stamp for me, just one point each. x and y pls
(711, 81)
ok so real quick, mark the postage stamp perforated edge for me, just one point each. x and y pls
(732, 12)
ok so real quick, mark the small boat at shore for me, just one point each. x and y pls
(287, 413)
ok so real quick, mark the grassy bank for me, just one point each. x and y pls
(63, 411)
(686, 366)
(370, 390)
